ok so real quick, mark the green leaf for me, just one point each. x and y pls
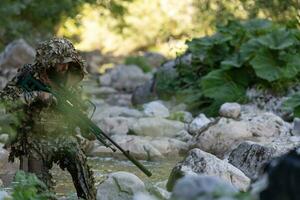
(292, 67)
(277, 40)
(292, 102)
(266, 66)
(218, 84)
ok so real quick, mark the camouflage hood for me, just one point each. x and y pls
(57, 51)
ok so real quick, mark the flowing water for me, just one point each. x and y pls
(103, 166)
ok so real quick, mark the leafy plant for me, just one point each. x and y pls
(241, 54)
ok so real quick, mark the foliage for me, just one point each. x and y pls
(33, 19)
(239, 55)
(165, 25)
(29, 187)
(139, 61)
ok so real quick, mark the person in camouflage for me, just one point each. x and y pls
(44, 137)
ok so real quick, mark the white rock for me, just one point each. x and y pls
(116, 125)
(144, 148)
(17, 54)
(157, 127)
(4, 138)
(220, 138)
(156, 109)
(120, 186)
(125, 77)
(198, 124)
(4, 195)
(144, 196)
(202, 187)
(115, 111)
(230, 110)
(202, 163)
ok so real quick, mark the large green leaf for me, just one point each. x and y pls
(277, 40)
(219, 85)
(292, 67)
(266, 66)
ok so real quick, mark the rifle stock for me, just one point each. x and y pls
(66, 107)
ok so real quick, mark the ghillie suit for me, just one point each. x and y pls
(44, 136)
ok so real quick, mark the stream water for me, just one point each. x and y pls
(103, 166)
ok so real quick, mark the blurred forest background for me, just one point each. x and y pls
(123, 27)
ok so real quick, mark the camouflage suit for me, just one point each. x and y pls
(43, 136)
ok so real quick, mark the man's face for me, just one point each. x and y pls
(62, 68)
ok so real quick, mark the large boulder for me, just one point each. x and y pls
(124, 77)
(145, 148)
(115, 111)
(198, 124)
(202, 163)
(116, 125)
(17, 54)
(154, 59)
(120, 186)
(193, 187)
(156, 109)
(157, 127)
(224, 135)
(250, 157)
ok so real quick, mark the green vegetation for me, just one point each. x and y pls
(29, 187)
(241, 54)
(33, 19)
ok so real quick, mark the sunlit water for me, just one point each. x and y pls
(103, 166)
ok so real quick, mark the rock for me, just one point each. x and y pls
(182, 116)
(143, 148)
(125, 77)
(221, 137)
(202, 187)
(249, 157)
(116, 125)
(105, 80)
(200, 162)
(282, 176)
(119, 100)
(159, 190)
(143, 196)
(94, 60)
(120, 186)
(17, 54)
(183, 136)
(156, 109)
(143, 93)
(100, 92)
(7, 169)
(4, 195)
(1, 183)
(225, 134)
(157, 127)
(296, 126)
(267, 125)
(154, 59)
(198, 124)
(230, 110)
(115, 111)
